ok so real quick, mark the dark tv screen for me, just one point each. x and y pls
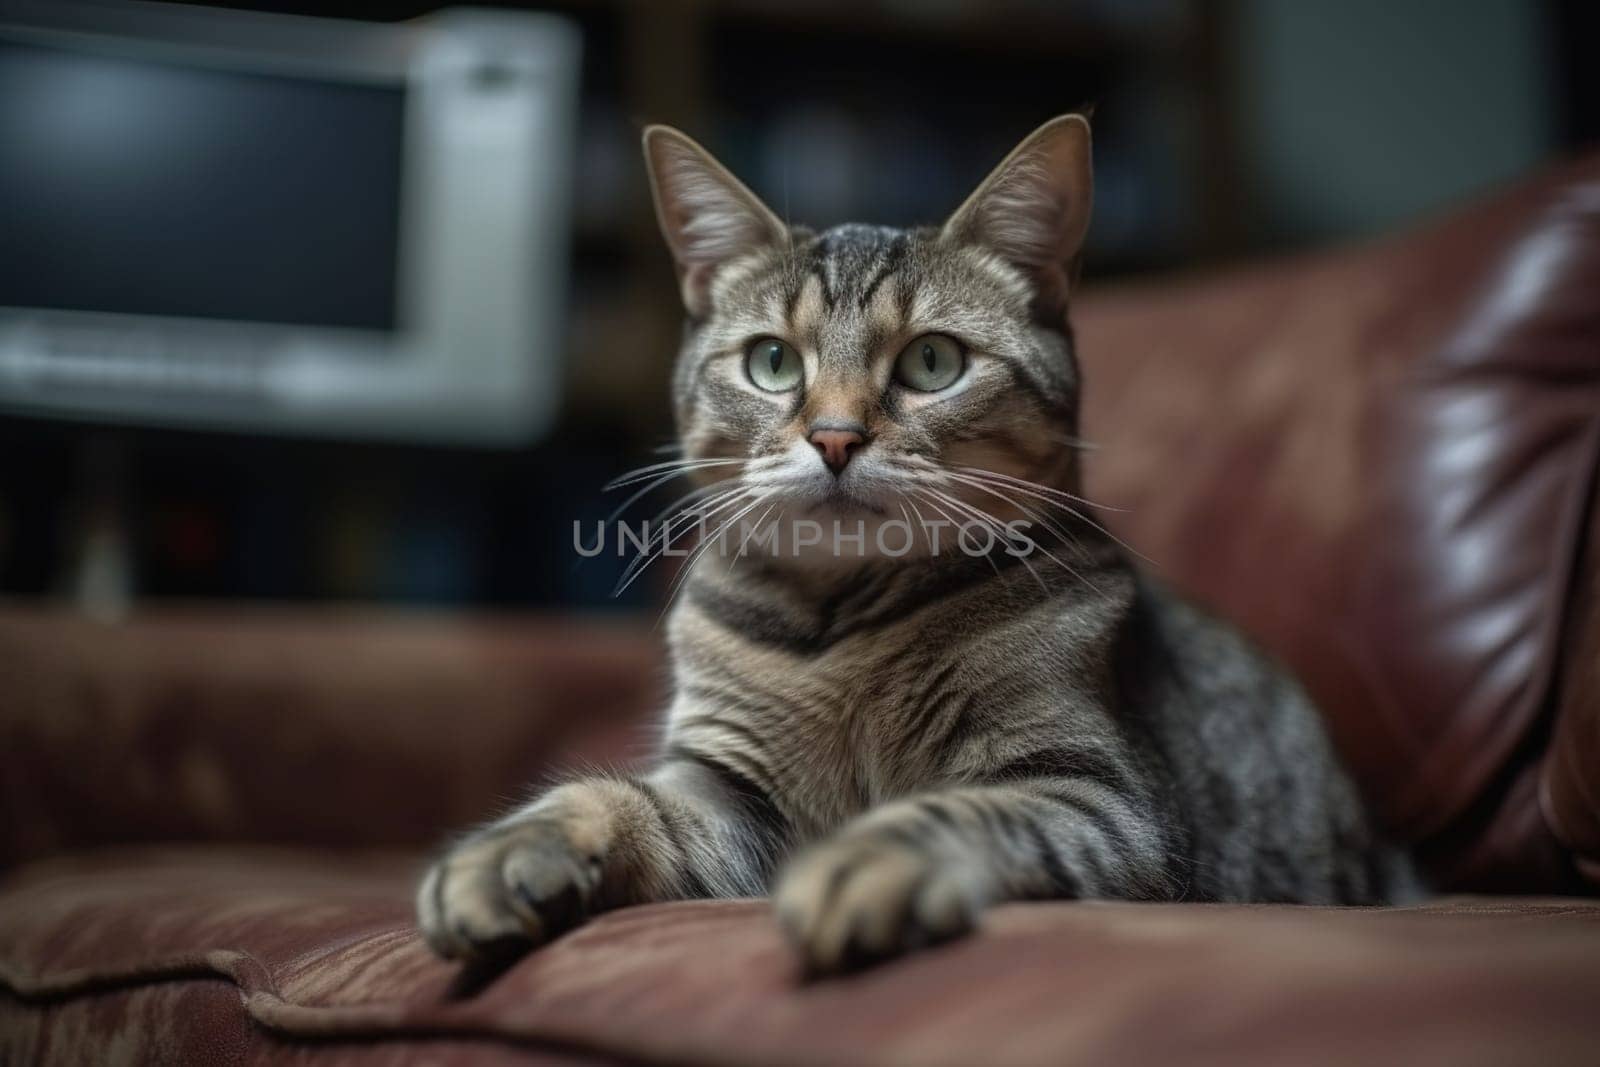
(154, 188)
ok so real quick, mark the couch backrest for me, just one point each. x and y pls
(1381, 462)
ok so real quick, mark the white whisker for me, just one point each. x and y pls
(1061, 534)
(675, 466)
(929, 495)
(704, 546)
(1048, 554)
(1033, 489)
(749, 533)
(648, 487)
(1074, 442)
(685, 521)
(993, 525)
(1038, 487)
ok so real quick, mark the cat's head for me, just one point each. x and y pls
(864, 368)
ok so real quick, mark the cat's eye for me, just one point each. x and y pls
(774, 365)
(930, 363)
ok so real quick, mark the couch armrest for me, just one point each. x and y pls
(1377, 460)
(318, 727)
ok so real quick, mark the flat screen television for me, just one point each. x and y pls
(238, 220)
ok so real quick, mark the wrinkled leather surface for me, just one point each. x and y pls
(325, 967)
(1379, 462)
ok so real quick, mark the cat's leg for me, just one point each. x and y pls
(920, 870)
(689, 829)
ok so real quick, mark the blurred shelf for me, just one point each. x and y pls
(968, 27)
(1093, 29)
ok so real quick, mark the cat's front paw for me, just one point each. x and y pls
(856, 900)
(515, 884)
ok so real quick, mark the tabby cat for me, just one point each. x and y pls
(892, 742)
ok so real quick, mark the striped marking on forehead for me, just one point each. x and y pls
(852, 261)
(891, 259)
(808, 307)
(844, 275)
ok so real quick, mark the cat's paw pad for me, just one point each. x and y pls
(509, 887)
(850, 903)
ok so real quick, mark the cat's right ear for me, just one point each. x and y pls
(1033, 209)
(708, 216)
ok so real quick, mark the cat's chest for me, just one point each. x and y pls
(829, 731)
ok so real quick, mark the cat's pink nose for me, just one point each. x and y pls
(836, 446)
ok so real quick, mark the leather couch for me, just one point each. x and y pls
(1380, 460)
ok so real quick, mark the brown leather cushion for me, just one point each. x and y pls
(321, 947)
(313, 727)
(1378, 462)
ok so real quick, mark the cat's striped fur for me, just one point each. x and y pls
(891, 744)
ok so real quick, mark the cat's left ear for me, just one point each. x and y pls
(1033, 209)
(708, 216)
